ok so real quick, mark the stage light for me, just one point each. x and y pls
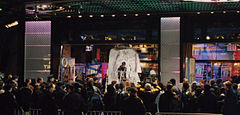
(80, 16)
(113, 15)
(69, 16)
(125, 15)
(136, 14)
(148, 14)
(224, 12)
(212, 12)
(101, 16)
(208, 38)
(198, 12)
(90, 16)
(238, 11)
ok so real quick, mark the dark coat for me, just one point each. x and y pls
(8, 103)
(133, 106)
(110, 101)
(208, 102)
(74, 104)
(59, 95)
(25, 99)
(49, 106)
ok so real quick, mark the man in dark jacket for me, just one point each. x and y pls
(133, 105)
(59, 93)
(8, 101)
(74, 103)
(208, 100)
(49, 106)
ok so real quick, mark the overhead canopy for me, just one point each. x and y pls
(109, 7)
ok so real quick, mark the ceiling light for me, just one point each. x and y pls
(212, 12)
(125, 15)
(1, 9)
(69, 16)
(238, 11)
(224, 12)
(148, 14)
(113, 15)
(198, 12)
(208, 38)
(101, 16)
(90, 16)
(80, 16)
(69, 6)
(136, 14)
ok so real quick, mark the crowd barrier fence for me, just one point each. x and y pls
(60, 112)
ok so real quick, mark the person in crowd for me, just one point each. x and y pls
(40, 80)
(1, 87)
(207, 100)
(14, 83)
(49, 106)
(159, 94)
(186, 98)
(195, 99)
(8, 104)
(110, 99)
(8, 79)
(178, 96)
(74, 103)
(24, 97)
(37, 95)
(133, 105)
(51, 79)
(193, 87)
(58, 94)
(148, 94)
(230, 101)
(121, 95)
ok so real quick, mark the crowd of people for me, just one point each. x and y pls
(150, 96)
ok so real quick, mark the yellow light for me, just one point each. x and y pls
(212, 12)
(80, 16)
(125, 15)
(198, 12)
(113, 15)
(68, 16)
(238, 11)
(101, 16)
(224, 12)
(90, 16)
(136, 14)
(148, 14)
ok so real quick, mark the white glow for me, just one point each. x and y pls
(15, 23)
(208, 38)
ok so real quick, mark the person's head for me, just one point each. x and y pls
(28, 81)
(123, 64)
(15, 78)
(132, 91)
(219, 81)
(51, 88)
(185, 80)
(206, 88)
(185, 86)
(110, 89)
(193, 86)
(148, 87)
(228, 85)
(10, 76)
(8, 88)
(234, 86)
(40, 80)
(173, 81)
(211, 82)
(169, 86)
(198, 91)
(51, 79)
(1, 85)
(69, 88)
(77, 87)
(113, 83)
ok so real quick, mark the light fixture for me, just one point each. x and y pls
(224, 12)
(79, 16)
(102, 16)
(198, 12)
(136, 14)
(15, 23)
(148, 14)
(212, 12)
(69, 6)
(69, 16)
(125, 15)
(238, 11)
(1, 9)
(208, 38)
(90, 16)
(113, 15)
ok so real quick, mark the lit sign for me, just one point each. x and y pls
(212, 0)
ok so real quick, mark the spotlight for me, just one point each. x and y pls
(113, 15)
(80, 16)
(212, 12)
(68, 16)
(90, 16)
(208, 38)
(198, 12)
(224, 12)
(101, 16)
(238, 11)
(125, 15)
(136, 14)
(1, 9)
(148, 14)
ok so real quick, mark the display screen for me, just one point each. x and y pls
(217, 51)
